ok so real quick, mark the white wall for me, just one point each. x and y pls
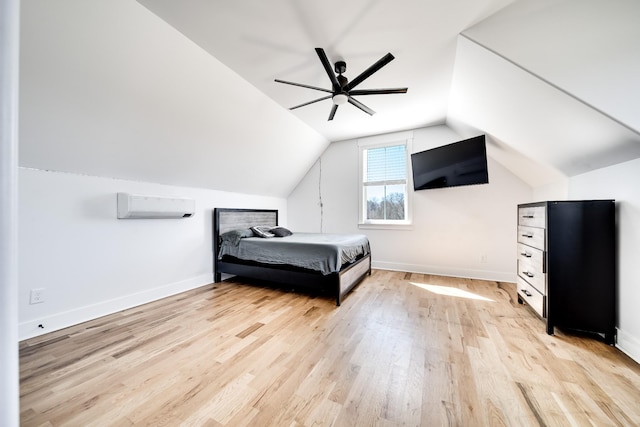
(620, 182)
(91, 264)
(9, 54)
(108, 89)
(557, 190)
(452, 228)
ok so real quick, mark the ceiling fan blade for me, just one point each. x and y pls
(361, 106)
(327, 67)
(311, 102)
(378, 91)
(369, 71)
(333, 112)
(303, 85)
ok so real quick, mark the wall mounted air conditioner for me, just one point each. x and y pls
(139, 206)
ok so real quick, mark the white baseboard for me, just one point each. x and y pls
(498, 276)
(628, 344)
(54, 322)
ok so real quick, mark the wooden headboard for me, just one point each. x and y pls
(232, 219)
(226, 219)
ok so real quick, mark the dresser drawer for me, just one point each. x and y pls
(532, 256)
(533, 275)
(531, 236)
(531, 296)
(533, 216)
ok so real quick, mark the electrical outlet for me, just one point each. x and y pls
(483, 259)
(37, 296)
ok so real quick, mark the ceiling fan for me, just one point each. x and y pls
(342, 90)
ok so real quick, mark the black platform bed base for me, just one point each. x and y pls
(338, 284)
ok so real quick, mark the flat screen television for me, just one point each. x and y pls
(461, 163)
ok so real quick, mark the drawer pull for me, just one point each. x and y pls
(526, 292)
(528, 236)
(527, 216)
(526, 273)
(526, 254)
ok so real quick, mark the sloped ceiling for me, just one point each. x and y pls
(109, 89)
(555, 81)
(183, 92)
(264, 40)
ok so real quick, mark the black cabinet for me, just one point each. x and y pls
(567, 264)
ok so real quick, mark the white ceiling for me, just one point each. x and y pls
(183, 93)
(109, 89)
(264, 40)
(553, 82)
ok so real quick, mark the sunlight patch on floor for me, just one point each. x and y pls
(453, 292)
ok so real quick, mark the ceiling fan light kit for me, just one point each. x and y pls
(341, 89)
(340, 99)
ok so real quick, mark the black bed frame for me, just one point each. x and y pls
(339, 283)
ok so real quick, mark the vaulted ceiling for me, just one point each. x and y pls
(184, 92)
(262, 41)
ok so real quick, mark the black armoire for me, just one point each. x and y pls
(567, 264)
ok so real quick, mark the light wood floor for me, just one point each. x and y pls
(401, 350)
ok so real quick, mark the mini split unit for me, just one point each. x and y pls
(138, 206)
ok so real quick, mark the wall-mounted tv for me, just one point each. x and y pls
(461, 163)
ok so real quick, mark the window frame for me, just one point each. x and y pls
(389, 141)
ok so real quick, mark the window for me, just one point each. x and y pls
(384, 187)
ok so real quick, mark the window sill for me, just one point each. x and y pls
(386, 226)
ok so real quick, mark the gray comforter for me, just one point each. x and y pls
(321, 252)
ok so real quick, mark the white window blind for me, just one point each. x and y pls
(385, 183)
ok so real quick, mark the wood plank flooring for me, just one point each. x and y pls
(402, 350)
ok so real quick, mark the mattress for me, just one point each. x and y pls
(326, 253)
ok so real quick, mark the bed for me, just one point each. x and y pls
(331, 263)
